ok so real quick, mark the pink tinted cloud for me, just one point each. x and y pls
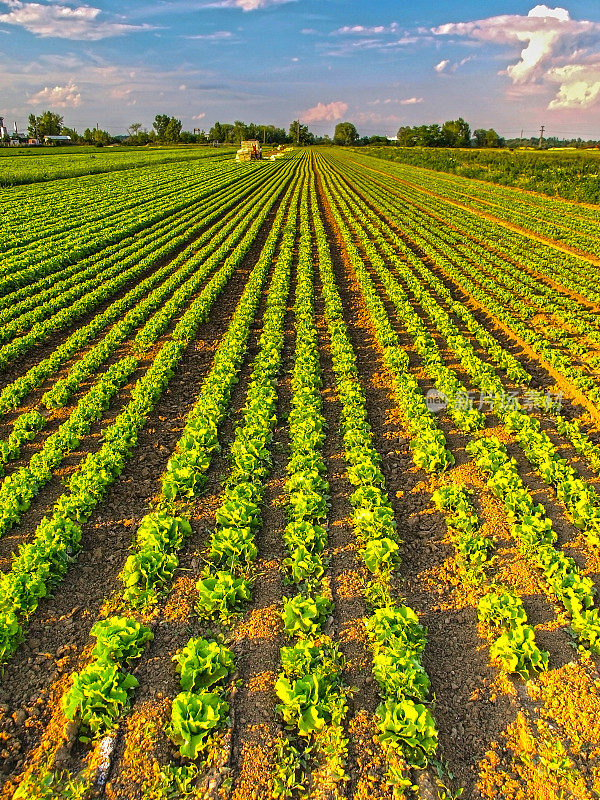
(325, 112)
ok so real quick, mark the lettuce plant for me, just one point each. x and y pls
(410, 726)
(220, 593)
(193, 717)
(119, 639)
(98, 695)
(202, 663)
(302, 616)
(517, 651)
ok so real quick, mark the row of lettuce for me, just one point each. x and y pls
(101, 692)
(41, 562)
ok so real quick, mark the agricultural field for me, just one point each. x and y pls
(300, 489)
(570, 173)
(24, 166)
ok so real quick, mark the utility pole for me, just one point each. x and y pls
(541, 136)
(298, 132)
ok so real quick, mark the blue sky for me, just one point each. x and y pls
(510, 65)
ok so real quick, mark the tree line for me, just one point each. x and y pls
(165, 130)
(169, 130)
(452, 133)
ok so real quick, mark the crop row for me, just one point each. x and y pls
(416, 275)
(460, 271)
(101, 270)
(156, 252)
(40, 167)
(512, 639)
(90, 201)
(407, 728)
(549, 217)
(543, 262)
(17, 303)
(77, 246)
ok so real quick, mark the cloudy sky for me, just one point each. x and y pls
(505, 64)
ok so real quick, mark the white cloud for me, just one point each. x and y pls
(374, 118)
(579, 86)
(351, 38)
(246, 5)
(366, 30)
(57, 97)
(556, 49)
(543, 11)
(182, 87)
(65, 22)
(217, 36)
(325, 112)
(411, 101)
(447, 66)
(199, 116)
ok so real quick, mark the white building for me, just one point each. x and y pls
(57, 139)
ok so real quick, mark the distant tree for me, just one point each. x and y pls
(136, 134)
(375, 140)
(274, 135)
(240, 132)
(160, 125)
(97, 137)
(216, 133)
(406, 136)
(428, 136)
(134, 129)
(75, 137)
(453, 133)
(46, 124)
(345, 134)
(221, 132)
(187, 137)
(299, 133)
(456, 133)
(173, 131)
(233, 133)
(487, 138)
(166, 128)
